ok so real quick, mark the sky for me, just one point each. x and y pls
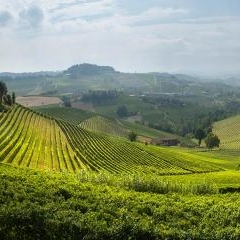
(180, 36)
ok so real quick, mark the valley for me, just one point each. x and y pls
(70, 173)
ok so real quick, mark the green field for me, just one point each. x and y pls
(36, 141)
(62, 176)
(51, 205)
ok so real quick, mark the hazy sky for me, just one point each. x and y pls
(131, 35)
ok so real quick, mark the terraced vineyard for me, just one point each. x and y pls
(119, 155)
(228, 131)
(104, 125)
(75, 116)
(31, 140)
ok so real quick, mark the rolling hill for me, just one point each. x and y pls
(82, 77)
(30, 139)
(98, 123)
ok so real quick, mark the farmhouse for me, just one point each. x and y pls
(165, 141)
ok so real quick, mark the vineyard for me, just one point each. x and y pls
(104, 125)
(228, 131)
(97, 123)
(32, 140)
(75, 116)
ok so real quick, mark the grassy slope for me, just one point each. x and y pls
(228, 131)
(226, 159)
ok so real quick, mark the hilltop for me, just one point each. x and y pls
(88, 69)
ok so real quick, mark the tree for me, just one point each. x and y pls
(122, 111)
(200, 135)
(212, 141)
(132, 136)
(3, 91)
(66, 101)
(13, 98)
(9, 100)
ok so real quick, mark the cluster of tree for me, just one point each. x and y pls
(66, 101)
(163, 101)
(132, 136)
(122, 111)
(211, 140)
(6, 98)
(164, 125)
(189, 123)
(182, 116)
(100, 97)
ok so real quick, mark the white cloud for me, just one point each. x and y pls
(32, 16)
(5, 17)
(83, 9)
(158, 13)
(55, 34)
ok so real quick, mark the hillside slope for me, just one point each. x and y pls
(228, 130)
(104, 125)
(31, 140)
(72, 115)
(97, 123)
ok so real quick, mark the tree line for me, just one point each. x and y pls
(100, 97)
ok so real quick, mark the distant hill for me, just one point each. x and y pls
(88, 69)
(81, 78)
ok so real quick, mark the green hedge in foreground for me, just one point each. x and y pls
(49, 205)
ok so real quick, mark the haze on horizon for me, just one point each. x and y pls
(185, 36)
